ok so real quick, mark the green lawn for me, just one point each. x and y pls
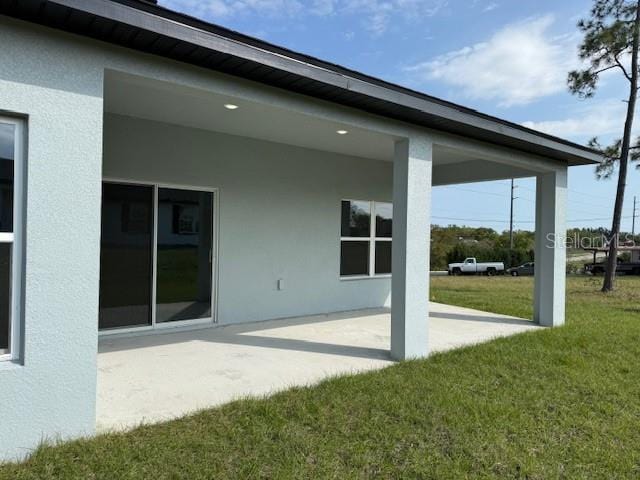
(561, 403)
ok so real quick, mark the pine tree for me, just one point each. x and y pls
(611, 37)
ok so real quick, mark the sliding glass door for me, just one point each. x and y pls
(156, 257)
(184, 255)
(126, 256)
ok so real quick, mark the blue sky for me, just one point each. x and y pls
(504, 58)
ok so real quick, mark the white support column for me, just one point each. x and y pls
(410, 251)
(550, 249)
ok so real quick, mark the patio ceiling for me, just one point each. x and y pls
(179, 105)
(176, 104)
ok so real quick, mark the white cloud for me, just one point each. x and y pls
(490, 7)
(375, 15)
(517, 65)
(226, 8)
(323, 7)
(379, 14)
(485, 5)
(603, 119)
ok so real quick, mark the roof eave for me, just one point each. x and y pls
(405, 104)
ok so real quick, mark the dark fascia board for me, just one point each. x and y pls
(161, 21)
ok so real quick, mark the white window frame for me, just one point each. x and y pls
(15, 239)
(372, 239)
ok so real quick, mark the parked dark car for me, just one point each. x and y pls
(623, 268)
(524, 269)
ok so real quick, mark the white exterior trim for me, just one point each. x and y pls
(159, 327)
(371, 239)
(16, 240)
(154, 258)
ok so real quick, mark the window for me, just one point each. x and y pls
(365, 238)
(11, 165)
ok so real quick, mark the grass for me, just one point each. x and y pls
(561, 403)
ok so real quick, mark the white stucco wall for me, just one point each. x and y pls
(53, 391)
(279, 210)
(56, 80)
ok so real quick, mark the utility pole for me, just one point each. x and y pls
(513, 187)
(633, 224)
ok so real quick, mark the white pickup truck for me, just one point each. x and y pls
(471, 267)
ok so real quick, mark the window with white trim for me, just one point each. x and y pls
(365, 245)
(11, 166)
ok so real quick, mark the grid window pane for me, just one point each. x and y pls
(384, 219)
(5, 300)
(354, 258)
(383, 257)
(7, 149)
(356, 219)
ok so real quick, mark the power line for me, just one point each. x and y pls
(480, 191)
(633, 219)
(467, 212)
(511, 217)
(517, 221)
(604, 219)
(506, 195)
(590, 195)
(593, 205)
(476, 220)
(572, 190)
(581, 211)
(510, 196)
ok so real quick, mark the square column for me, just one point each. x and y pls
(550, 248)
(412, 167)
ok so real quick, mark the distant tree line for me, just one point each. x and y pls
(455, 243)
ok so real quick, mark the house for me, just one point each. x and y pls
(162, 172)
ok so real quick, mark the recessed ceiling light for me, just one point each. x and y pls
(342, 132)
(230, 106)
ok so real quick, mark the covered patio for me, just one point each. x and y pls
(178, 176)
(151, 378)
(293, 197)
(282, 190)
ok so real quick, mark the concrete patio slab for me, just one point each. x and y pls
(150, 378)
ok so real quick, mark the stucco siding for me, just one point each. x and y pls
(279, 213)
(279, 209)
(52, 392)
(278, 206)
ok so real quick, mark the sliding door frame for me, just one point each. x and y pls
(209, 321)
